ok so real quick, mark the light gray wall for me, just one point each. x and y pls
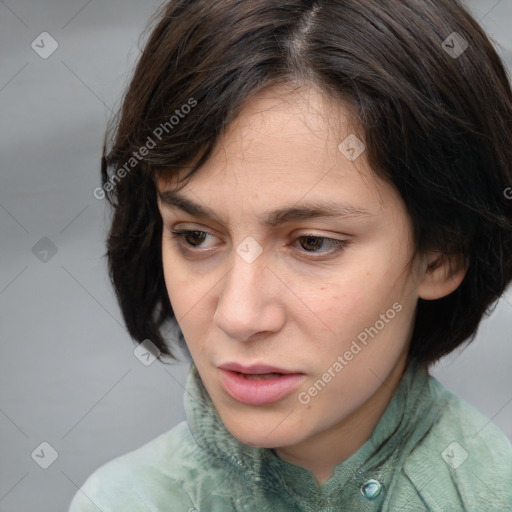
(68, 376)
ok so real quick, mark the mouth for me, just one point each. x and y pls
(256, 369)
(256, 385)
(259, 376)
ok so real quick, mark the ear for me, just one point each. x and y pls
(443, 274)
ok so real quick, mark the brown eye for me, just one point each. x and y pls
(190, 238)
(312, 244)
(193, 238)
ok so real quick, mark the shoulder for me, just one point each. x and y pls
(465, 459)
(148, 478)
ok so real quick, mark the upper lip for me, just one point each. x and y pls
(254, 369)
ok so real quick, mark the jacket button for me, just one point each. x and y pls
(371, 489)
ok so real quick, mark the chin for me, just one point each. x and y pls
(264, 435)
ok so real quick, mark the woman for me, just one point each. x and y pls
(315, 192)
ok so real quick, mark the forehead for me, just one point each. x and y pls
(285, 146)
(310, 209)
(280, 124)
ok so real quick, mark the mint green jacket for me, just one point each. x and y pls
(430, 451)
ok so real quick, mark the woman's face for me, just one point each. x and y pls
(264, 279)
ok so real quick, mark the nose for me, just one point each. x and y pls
(248, 302)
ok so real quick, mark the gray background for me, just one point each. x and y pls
(68, 375)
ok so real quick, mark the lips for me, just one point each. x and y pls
(256, 369)
(259, 384)
(261, 376)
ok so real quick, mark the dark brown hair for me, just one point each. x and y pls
(436, 117)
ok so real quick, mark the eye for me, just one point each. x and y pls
(190, 237)
(190, 240)
(315, 242)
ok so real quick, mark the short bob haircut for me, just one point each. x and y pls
(435, 116)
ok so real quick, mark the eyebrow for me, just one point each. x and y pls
(306, 210)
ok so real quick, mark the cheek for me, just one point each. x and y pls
(355, 298)
(192, 299)
(182, 294)
(171, 279)
(350, 310)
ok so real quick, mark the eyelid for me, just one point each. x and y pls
(212, 232)
(179, 233)
(340, 244)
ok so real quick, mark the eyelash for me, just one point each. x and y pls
(340, 245)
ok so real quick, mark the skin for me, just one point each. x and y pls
(298, 306)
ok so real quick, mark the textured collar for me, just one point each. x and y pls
(372, 470)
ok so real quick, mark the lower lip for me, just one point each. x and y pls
(259, 391)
